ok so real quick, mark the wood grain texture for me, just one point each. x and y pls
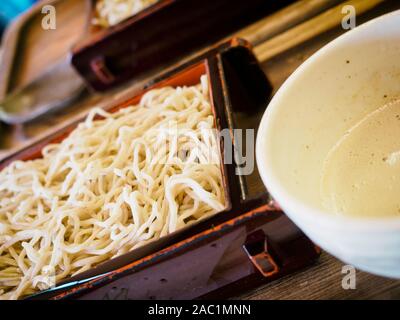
(324, 281)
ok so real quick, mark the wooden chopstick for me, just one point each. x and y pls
(309, 29)
(284, 19)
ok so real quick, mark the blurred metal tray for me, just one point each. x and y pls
(35, 72)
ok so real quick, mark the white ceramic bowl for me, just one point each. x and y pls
(329, 93)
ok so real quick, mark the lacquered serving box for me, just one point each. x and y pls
(160, 35)
(78, 54)
(249, 243)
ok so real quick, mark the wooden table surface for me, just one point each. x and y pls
(323, 280)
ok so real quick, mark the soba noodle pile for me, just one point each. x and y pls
(111, 12)
(116, 183)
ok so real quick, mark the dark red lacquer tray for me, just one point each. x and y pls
(249, 243)
(162, 34)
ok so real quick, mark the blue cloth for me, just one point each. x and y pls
(9, 9)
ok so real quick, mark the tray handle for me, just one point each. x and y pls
(100, 69)
(259, 250)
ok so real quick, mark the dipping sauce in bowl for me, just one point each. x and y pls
(328, 147)
(361, 173)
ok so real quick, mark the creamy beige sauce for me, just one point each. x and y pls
(361, 174)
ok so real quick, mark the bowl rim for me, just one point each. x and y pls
(297, 209)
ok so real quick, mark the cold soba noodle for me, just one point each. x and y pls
(111, 12)
(113, 185)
